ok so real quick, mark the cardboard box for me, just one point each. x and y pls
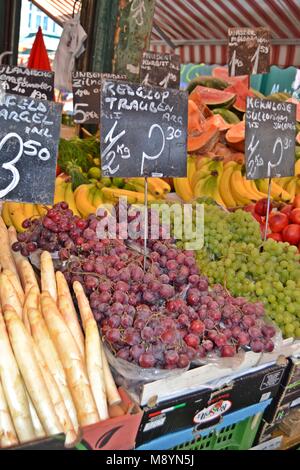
(289, 394)
(112, 434)
(208, 405)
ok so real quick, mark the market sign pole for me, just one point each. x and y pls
(270, 134)
(143, 133)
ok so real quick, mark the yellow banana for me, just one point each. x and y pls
(133, 197)
(238, 189)
(36, 214)
(183, 189)
(214, 164)
(277, 192)
(98, 198)
(28, 210)
(209, 187)
(191, 167)
(59, 193)
(283, 182)
(82, 201)
(69, 198)
(162, 184)
(17, 215)
(297, 168)
(251, 190)
(5, 215)
(42, 210)
(291, 187)
(224, 186)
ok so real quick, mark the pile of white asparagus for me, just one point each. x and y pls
(53, 377)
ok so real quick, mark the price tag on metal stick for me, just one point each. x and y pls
(37, 84)
(143, 130)
(160, 69)
(248, 51)
(86, 95)
(29, 135)
(270, 132)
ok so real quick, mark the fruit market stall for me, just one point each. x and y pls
(120, 330)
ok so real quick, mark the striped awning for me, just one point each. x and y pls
(198, 28)
(58, 10)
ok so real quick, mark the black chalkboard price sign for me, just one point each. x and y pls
(86, 95)
(143, 130)
(38, 84)
(248, 51)
(29, 134)
(270, 138)
(160, 69)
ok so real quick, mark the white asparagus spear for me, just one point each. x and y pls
(27, 275)
(14, 279)
(83, 303)
(8, 295)
(6, 257)
(86, 314)
(22, 346)
(8, 436)
(14, 389)
(42, 339)
(95, 367)
(38, 428)
(112, 393)
(32, 300)
(67, 310)
(57, 400)
(71, 359)
(12, 237)
(48, 281)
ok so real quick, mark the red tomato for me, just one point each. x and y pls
(296, 202)
(261, 207)
(287, 209)
(58, 170)
(278, 221)
(291, 234)
(275, 236)
(295, 216)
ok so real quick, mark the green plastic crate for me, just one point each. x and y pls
(237, 436)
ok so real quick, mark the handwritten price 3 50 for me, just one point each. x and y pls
(30, 148)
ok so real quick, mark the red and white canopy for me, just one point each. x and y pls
(198, 28)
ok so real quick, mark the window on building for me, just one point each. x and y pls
(54, 27)
(38, 20)
(29, 20)
(30, 6)
(45, 23)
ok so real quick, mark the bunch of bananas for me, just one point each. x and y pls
(14, 213)
(86, 198)
(225, 183)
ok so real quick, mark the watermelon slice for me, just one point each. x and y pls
(297, 103)
(212, 98)
(222, 73)
(218, 121)
(242, 91)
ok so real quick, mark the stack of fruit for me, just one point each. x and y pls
(164, 317)
(87, 198)
(53, 378)
(284, 221)
(235, 257)
(216, 143)
(224, 181)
